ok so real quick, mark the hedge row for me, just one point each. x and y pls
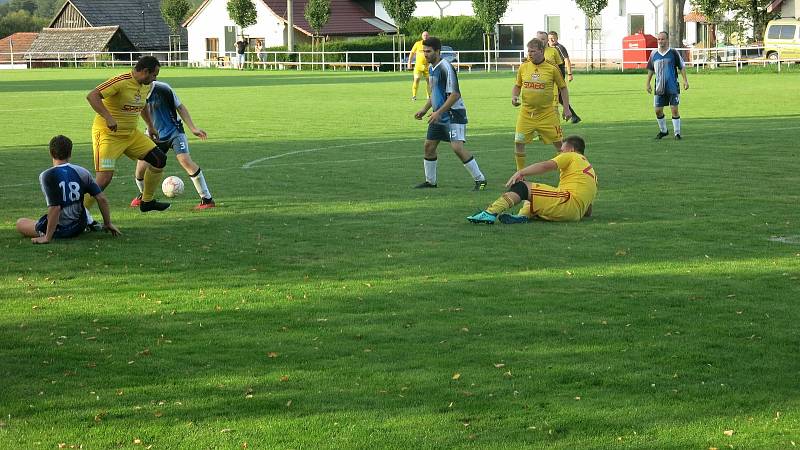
(461, 33)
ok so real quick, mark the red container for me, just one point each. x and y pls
(635, 51)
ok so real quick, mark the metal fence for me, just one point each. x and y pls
(610, 60)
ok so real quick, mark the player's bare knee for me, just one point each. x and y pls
(156, 158)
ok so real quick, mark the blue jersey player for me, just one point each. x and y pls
(64, 186)
(665, 64)
(167, 111)
(448, 120)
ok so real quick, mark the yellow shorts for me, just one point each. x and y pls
(547, 125)
(420, 71)
(108, 146)
(550, 203)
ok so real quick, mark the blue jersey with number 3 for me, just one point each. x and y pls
(65, 186)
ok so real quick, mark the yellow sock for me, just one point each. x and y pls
(414, 87)
(88, 201)
(501, 204)
(151, 181)
(526, 209)
(520, 160)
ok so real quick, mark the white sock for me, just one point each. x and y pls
(199, 182)
(662, 124)
(89, 218)
(474, 170)
(140, 184)
(430, 171)
(676, 124)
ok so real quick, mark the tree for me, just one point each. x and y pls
(400, 11)
(317, 14)
(243, 13)
(489, 12)
(712, 10)
(174, 12)
(752, 13)
(20, 20)
(592, 8)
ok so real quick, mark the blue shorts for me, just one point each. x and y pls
(178, 142)
(62, 232)
(447, 132)
(660, 101)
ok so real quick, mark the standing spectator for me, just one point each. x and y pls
(665, 64)
(64, 186)
(417, 57)
(241, 47)
(448, 121)
(260, 52)
(565, 67)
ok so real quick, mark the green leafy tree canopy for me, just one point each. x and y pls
(400, 11)
(243, 13)
(317, 14)
(592, 8)
(174, 12)
(489, 12)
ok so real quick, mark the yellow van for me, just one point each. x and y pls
(782, 39)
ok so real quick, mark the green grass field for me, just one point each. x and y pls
(326, 304)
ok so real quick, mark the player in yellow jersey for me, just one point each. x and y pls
(118, 103)
(417, 56)
(533, 89)
(569, 202)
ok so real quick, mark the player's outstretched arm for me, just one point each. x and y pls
(105, 210)
(53, 214)
(95, 100)
(183, 111)
(534, 169)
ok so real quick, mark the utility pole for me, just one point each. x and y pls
(289, 27)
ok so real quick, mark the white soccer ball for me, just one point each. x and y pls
(172, 186)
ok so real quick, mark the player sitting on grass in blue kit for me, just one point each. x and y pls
(64, 186)
(165, 107)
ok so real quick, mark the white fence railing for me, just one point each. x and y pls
(609, 59)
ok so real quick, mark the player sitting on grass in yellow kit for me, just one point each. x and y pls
(569, 202)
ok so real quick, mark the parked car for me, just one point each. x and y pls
(782, 39)
(447, 53)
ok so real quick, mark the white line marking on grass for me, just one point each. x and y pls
(250, 164)
(42, 109)
(786, 239)
(14, 185)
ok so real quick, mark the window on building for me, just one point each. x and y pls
(635, 23)
(212, 48)
(510, 37)
(230, 39)
(552, 23)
